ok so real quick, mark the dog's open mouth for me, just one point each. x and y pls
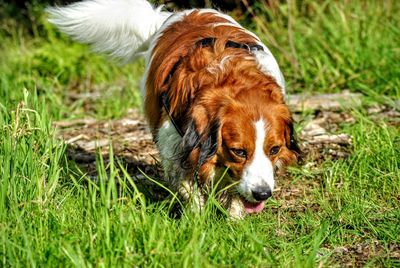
(252, 207)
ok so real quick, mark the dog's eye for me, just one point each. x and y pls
(274, 150)
(239, 152)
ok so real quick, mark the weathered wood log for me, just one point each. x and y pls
(337, 101)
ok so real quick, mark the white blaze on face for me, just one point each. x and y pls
(259, 172)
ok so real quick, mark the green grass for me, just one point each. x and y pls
(335, 45)
(52, 215)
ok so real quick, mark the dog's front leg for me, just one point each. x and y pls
(192, 195)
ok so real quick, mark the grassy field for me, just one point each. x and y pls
(347, 211)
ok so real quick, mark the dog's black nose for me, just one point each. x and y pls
(261, 193)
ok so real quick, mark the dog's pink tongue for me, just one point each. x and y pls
(253, 207)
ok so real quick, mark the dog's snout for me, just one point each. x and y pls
(261, 193)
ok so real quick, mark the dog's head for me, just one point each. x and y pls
(256, 139)
(248, 132)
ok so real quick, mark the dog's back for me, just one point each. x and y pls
(182, 41)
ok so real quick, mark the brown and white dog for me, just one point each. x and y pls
(213, 95)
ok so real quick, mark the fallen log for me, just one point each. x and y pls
(337, 101)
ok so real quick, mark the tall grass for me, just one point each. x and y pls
(334, 45)
(53, 215)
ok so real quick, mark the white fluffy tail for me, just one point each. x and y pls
(121, 28)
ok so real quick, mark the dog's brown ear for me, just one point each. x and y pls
(199, 146)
